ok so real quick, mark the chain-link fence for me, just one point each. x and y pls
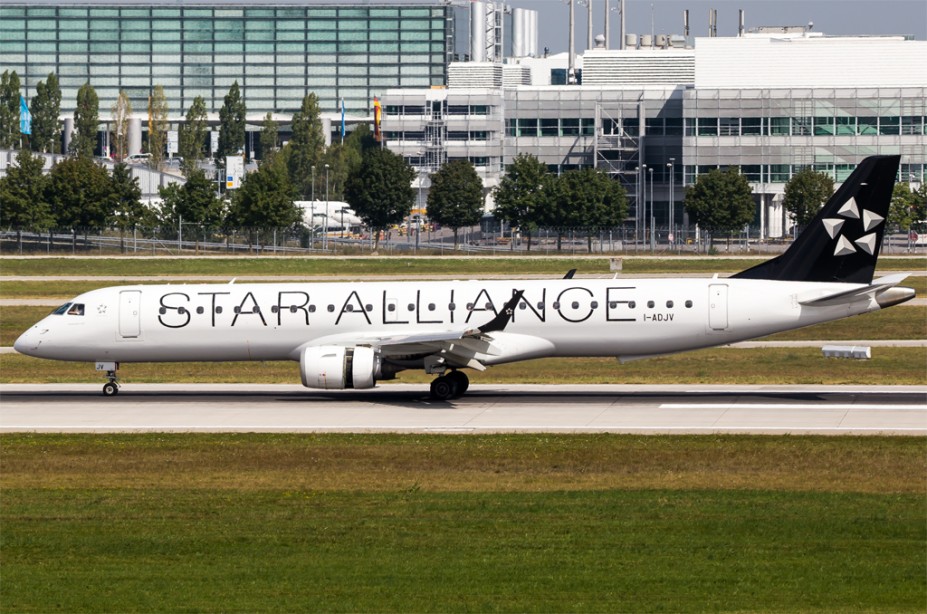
(193, 240)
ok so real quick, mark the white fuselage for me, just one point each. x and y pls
(626, 318)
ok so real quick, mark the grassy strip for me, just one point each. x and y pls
(888, 366)
(901, 322)
(389, 266)
(426, 523)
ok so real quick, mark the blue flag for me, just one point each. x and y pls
(25, 117)
(342, 120)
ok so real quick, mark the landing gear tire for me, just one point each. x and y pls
(444, 388)
(462, 381)
(111, 388)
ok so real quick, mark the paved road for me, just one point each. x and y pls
(900, 410)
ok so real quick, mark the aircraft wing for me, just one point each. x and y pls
(459, 347)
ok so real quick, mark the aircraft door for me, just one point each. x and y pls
(130, 314)
(717, 307)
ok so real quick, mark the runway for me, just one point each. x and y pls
(490, 408)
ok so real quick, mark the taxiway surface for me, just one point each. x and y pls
(900, 410)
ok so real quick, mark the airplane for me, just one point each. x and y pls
(352, 335)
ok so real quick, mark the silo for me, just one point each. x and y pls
(477, 32)
(519, 32)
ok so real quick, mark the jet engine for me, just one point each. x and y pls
(336, 368)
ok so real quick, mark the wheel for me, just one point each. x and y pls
(443, 388)
(110, 389)
(461, 380)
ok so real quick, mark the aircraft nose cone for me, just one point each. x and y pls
(28, 342)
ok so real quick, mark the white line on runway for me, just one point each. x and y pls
(814, 406)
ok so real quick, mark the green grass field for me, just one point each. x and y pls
(522, 523)
(432, 265)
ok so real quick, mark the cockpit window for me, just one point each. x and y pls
(61, 310)
(77, 309)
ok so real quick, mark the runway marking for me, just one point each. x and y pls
(813, 406)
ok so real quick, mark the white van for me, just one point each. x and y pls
(138, 158)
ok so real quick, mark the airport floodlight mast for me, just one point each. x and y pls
(325, 237)
(672, 204)
(653, 227)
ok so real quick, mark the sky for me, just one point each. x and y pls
(845, 17)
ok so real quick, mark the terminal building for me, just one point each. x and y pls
(768, 102)
(466, 80)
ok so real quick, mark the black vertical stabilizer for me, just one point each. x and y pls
(842, 242)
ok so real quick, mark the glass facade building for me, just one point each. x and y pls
(277, 51)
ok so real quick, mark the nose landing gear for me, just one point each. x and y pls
(110, 388)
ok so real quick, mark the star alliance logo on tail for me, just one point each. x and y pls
(850, 210)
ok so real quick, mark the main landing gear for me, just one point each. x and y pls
(110, 388)
(450, 386)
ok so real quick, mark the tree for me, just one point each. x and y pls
(46, 107)
(9, 109)
(129, 211)
(520, 194)
(589, 199)
(456, 196)
(269, 141)
(306, 145)
(265, 199)
(80, 192)
(720, 201)
(193, 136)
(231, 125)
(805, 194)
(157, 126)
(342, 161)
(86, 122)
(122, 111)
(194, 202)
(25, 205)
(380, 190)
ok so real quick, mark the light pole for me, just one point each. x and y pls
(325, 238)
(653, 227)
(644, 201)
(672, 205)
(312, 210)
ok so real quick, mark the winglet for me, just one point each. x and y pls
(570, 274)
(502, 320)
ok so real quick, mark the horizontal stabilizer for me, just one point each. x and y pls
(866, 292)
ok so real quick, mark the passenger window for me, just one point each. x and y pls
(77, 309)
(650, 304)
(632, 304)
(61, 310)
(669, 304)
(331, 309)
(594, 304)
(199, 310)
(688, 304)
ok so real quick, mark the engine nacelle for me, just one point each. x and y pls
(335, 368)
